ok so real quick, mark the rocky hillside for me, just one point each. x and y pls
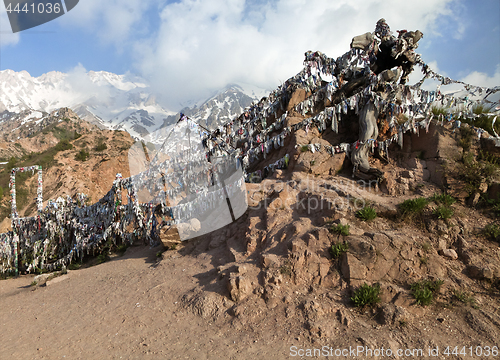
(323, 259)
(111, 101)
(402, 258)
(76, 157)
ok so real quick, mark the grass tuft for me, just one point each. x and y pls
(423, 291)
(336, 250)
(366, 295)
(367, 213)
(340, 229)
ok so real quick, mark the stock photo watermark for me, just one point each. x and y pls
(25, 15)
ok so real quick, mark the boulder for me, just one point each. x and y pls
(450, 254)
(480, 272)
(239, 287)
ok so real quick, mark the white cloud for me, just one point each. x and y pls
(188, 48)
(203, 45)
(113, 21)
(82, 87)
(483, 79)
(7, 37)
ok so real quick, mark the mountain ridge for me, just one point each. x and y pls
(113, 101)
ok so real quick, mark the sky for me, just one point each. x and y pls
(187, 49)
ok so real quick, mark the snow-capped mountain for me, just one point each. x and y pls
(223, 106)
(118, 102)
(102, 98)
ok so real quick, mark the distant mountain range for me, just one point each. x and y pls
(117, 102)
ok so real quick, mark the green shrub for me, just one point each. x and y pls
(103, 257)
(338, 249)
(340, 229)
(1, 194)
(63, 145)
(444, 199)
(413, 206)
(465, 298)
(443, 212)
(467, 135)
(366, 295)
(474, 172)
(367, 213)
(304, 148)
(437, 110)
(492, 231)
(423, 291)
(82, 155)
(101, 146)
(11, 163)
(483, 121)
(423, 296)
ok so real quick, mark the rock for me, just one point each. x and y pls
(331, 280)
(473, 199)
(239, 287)
(442, 244)
(195, 224)
(56, 280)
(342, 221)
(392, 314)
(216, 242)
(207, 305)
(494, 191)
(352, 268)
(450, 254)
(269, 260)
(344, 317)
(480, 272)
(41, 279)
(441, 227)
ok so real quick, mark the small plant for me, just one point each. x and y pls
(101, 146)
(443, 212)
(474, 173)
(338, 249)
(120, 249)
(159, 254)
(286, 269)
(437, 110)
(423, 296)
(82, 155)
(74, 266)
(466, 137)
(102, 258)
(465, 298)
(367, 213)
(304, 148)
(173, 247)
(340, 229)
(366, 295)
(413, 206)
(444, 199)
(492, 231)
(424, 260)
(423, 291)
(426, 246)
(63, 145)
(33, 283)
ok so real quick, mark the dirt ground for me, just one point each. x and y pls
(126, 308)
(133, 307)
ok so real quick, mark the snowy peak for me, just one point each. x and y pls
(99, 97)
(225, 105)
(117, 102)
